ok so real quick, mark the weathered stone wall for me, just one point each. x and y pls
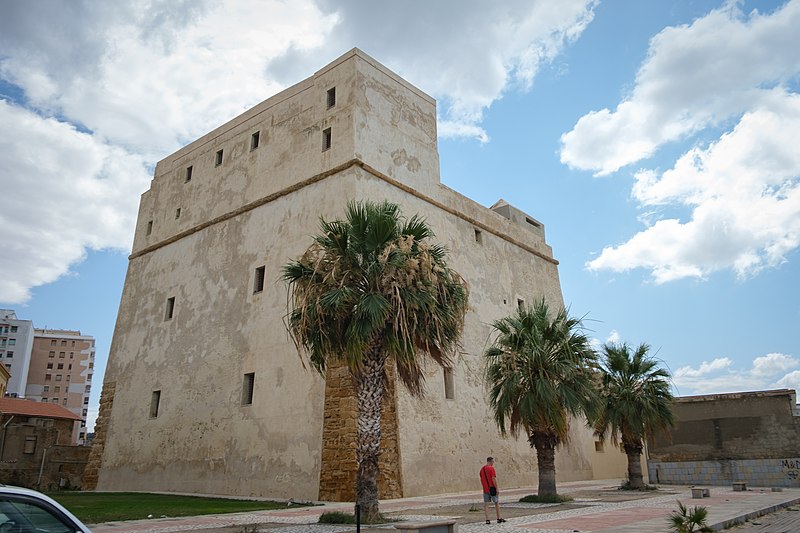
(99, 441)
(338, 468)
(49, 465)
(730, 437)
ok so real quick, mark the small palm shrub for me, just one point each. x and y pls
(692, 520)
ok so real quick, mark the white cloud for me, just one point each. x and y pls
(138, 80)
(613, 337)
(743, 193)
(694, 76)
(63, 192)
(770, 371)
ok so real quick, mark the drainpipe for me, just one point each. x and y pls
(3, 443)
(41, 469)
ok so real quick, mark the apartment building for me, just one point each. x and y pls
(61, 372)
(16, 342)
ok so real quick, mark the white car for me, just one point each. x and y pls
(28, 511)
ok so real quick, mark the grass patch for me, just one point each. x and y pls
(98, 507)
(545, 498)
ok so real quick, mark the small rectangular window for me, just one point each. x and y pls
(9, 355)
(520, 304)
(478, 236)
(326, 139)
(60, 365)
(56, 389)
(12, 342)
(53, 342)
(63, 343)
(178, 213)
(254, 139)
(49, 366)
(46, 388)
(218, 158)
(47, 377)
(331, 97)
(188, 176)
(532, 222)
(449, 388)
(61, 354)
(30, 442)
(149, 227)
(13, 329)
(247, 388)
(258, 282)
(155, 399)
(64, 401)
(170, 308)
(58, 377)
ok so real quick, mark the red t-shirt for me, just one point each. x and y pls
(487, 477)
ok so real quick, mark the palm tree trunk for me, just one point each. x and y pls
(369, 395)
(546, 460)
(634, 453)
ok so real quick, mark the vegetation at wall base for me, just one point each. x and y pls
(628, 486)
(339, 517)
(99, 507)
(686, 520)
(545, 498)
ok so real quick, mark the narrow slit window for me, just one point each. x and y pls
(218, 158)
(532, 222)
(149, 227)
(247, 388)
(155, 400)
(478, 236)
(170, 308)
(254, 140)
(188, 177)
(331, 97)
(258, 282)
(520, 304)
(326, 139)
(449, 389)
(178, 213)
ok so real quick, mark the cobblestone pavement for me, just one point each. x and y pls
(597, 507)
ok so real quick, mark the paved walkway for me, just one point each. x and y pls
(597, 507)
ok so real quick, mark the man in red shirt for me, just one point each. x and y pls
(490, 490)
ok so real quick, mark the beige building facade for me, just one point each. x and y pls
(204, 391)
(61, 372)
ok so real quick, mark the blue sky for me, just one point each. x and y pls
(655, 140)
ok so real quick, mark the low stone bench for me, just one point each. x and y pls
(441, 526)
(739, 486)
(699, 492)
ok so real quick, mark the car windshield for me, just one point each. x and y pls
(25, 517)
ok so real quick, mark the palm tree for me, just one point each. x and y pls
(540, 372)
(373, 290)
(636, 402)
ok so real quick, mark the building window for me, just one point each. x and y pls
(520, 304)
(60, 366)
(58, 377)
(478, 236)
(331, 97)
(69, 377)
(188, 176)
(69, 366)
(13, 329)
(64, 401)
(30, 443)
(52, 354)
(49, 366)
(258, 282)
(73, 344)
(149, 227)
(12, 342)
(155, 399)
(254, 140)
(218, 158)
(170, 308)
(10, 354)
(47, 377)
(449, 389)
(71, 355)
(61, 354)
(56, 389)
(89, 377)
(88, 389)
(53, 342)
(247, 388)
(326, 139)
(46, 388)
(8, 366)
(44, 400)
(63, 343)
(178, 213)
(598, 446)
